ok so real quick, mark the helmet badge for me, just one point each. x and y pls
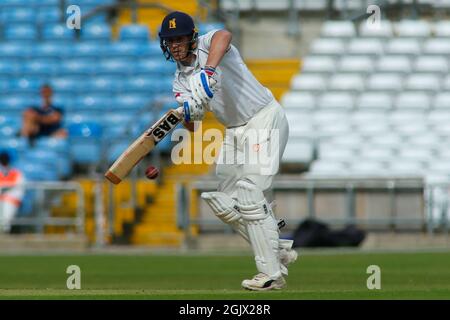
(172, 23)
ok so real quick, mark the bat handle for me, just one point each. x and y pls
(180, 112)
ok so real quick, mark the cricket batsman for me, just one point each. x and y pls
(211, 76)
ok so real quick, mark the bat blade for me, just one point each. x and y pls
(143, 145)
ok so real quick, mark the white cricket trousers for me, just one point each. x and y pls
(253, 151)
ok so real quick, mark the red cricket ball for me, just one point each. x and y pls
(151, 172)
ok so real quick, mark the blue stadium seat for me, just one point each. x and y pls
(100, 102)
(27, 85)
(117, 131)
(50, 50)
(15, 2)
(4, 85)
(130, 102)
(17, 102)
(50, 15)
(8, 68)
(67, 84)
(117, 66)
(65, 99)
(3, 119)
(60, 149)
(88, 50)
(37, 171)
(31, 3)
(134, 32)
(39, 67)
(149, 66)
(150, 49)
(87, 129)
(20, 32)
(77, 117)
(115, 149)
(88, 6)
(155, 66)
(85, 143)
(61, 146)
(143, 50)
(49, 158)
(6, 119)
(98, 18)
(117, 124)
(96, 32)
(92, 3)
(24, 14)
(103, 84)
(123, 49)
(77, 67)
(48, 2)
(116, 118)
(169, 105)
(58, 32)
(20, 144)
(15, 50)
(11, 114)
(78, 83)
(9, 130)
(149, 84)
(165, 85)
(140, 84)
(147, 119)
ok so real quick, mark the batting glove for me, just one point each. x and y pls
(193, 111)
(202, 84)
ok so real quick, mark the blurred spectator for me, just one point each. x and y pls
(45, 120)
(11, 191)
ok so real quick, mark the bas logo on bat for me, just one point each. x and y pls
(164, 127)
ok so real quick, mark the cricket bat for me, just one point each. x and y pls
(143, 145)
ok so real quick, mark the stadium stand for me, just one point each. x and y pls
(103, 76)
(384, 94)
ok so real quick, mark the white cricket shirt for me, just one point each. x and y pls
(238, 95)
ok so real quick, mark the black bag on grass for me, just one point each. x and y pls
(312, 233)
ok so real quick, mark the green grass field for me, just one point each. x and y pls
(313, 276)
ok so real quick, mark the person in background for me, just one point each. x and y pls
(11, 191)
(45, 120)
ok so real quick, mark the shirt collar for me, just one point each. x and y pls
(191, 68)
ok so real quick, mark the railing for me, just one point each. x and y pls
(433, 214)
(40, 216)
